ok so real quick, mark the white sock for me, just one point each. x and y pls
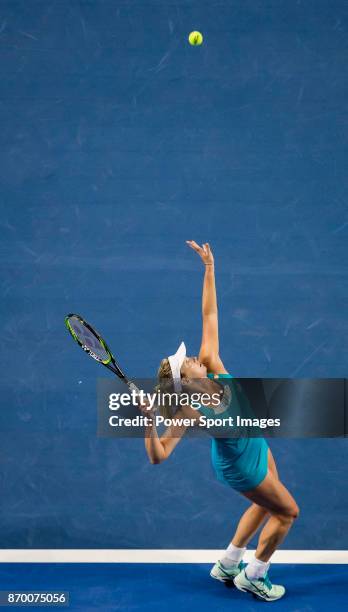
(256, 569)
(232, 556)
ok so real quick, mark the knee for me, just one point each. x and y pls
(296, 511)
(290, 513)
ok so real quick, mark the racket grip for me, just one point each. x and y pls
(133, 387)
(137, 391)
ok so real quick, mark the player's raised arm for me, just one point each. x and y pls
(209, 351)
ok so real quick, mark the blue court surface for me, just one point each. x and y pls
(174, 587)
(119, 142)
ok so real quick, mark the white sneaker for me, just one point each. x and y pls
(262, 588)
(224, 574)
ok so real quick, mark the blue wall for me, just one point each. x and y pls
(118, 143)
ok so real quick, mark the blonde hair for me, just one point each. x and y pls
(165, 385)
(164, 370)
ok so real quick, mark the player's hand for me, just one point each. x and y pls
(203, 251)
(144, 407)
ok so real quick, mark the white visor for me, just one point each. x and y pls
(175, 362)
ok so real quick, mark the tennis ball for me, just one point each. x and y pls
(195, 38)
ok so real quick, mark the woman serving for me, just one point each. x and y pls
(245, 464)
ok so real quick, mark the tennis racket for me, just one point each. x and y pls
(94, 345)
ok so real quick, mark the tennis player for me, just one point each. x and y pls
(246, 464)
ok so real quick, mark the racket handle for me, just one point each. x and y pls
(133, 387)
(137, 391)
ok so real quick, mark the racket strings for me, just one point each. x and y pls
(88, 340)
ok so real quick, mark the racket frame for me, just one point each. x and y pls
(109, 363)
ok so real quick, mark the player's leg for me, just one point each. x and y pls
(253, 518)
(273, 496)
(231, 563)
(272, 464)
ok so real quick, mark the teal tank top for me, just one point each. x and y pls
(233, 403)
(240, 461)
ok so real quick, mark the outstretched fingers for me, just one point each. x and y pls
(194, 246)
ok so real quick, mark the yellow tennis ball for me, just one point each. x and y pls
(195, 38)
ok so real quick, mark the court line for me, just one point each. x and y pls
(160, 556)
